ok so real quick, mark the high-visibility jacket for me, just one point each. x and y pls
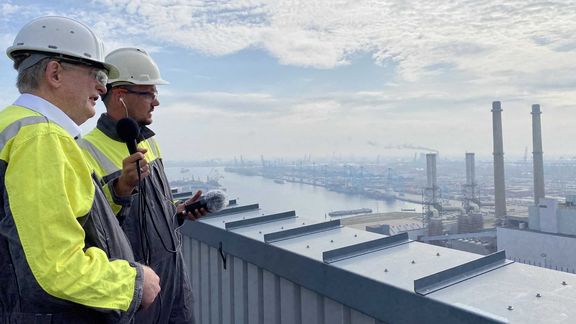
(151, 226)
(63, 255)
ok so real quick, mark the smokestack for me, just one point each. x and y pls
(431, 175)
(470, 175)
(499, 183)
(470, 172)
(537, 154)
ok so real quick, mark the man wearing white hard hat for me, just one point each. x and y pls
(64, 257)
(152, 218)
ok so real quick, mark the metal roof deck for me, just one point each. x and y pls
(257, 231)
(314, 244)
(512, 292)
(402, 264)
(254, 266)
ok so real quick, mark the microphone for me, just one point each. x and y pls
(128, 131)
(212, 201)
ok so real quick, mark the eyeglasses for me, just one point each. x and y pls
(152, 95)
(99, 75)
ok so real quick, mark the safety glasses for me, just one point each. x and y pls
(152, 95)
(97, 74)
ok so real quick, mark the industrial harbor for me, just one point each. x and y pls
(461, 203)
(494, 235)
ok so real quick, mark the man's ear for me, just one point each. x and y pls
(53, 73)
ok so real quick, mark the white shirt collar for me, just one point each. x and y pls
(49, 111)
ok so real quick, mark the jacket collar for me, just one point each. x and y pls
(107, 125)
(48, 110)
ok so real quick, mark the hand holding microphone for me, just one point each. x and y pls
(134, 167)
(197, 206)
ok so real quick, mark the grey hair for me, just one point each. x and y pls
(29, 78)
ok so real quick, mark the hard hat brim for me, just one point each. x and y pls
(111, 69)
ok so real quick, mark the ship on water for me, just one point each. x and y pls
(350, 212)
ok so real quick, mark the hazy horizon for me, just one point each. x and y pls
(366, 159)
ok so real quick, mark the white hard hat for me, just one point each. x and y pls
(135, 66)
(60, 37)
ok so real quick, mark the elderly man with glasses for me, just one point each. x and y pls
(64, 257)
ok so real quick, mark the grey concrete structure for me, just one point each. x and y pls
(499, 178)
(470, 172)
(553, 251)
(431, 184)
(470, 199)
(537, 154)
(551, 216)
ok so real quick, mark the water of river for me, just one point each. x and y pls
(308, 201)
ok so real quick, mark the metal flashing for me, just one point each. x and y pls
(300, 231)
(233, 210)
(259, 220)
(364, 248)
(182, 195)
(449, 277)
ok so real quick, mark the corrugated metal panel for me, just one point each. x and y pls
(238, 278)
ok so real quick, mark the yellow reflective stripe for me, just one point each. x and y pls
(103, 156)
(105, 169)
(106, 156)
(103, 161)
(108, 152)
(154, 147)
(11, 130)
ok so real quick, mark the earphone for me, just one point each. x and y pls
(123, 104)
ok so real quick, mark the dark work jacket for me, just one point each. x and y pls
(148, 220)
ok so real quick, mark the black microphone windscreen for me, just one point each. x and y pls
(127, 129)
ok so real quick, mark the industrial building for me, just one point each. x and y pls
(546, 237)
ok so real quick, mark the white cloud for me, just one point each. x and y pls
(486, 38)
(234, 104)
(450, 59)
(491, 40)
(8, 9)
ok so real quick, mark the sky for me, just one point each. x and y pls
(339, 78)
